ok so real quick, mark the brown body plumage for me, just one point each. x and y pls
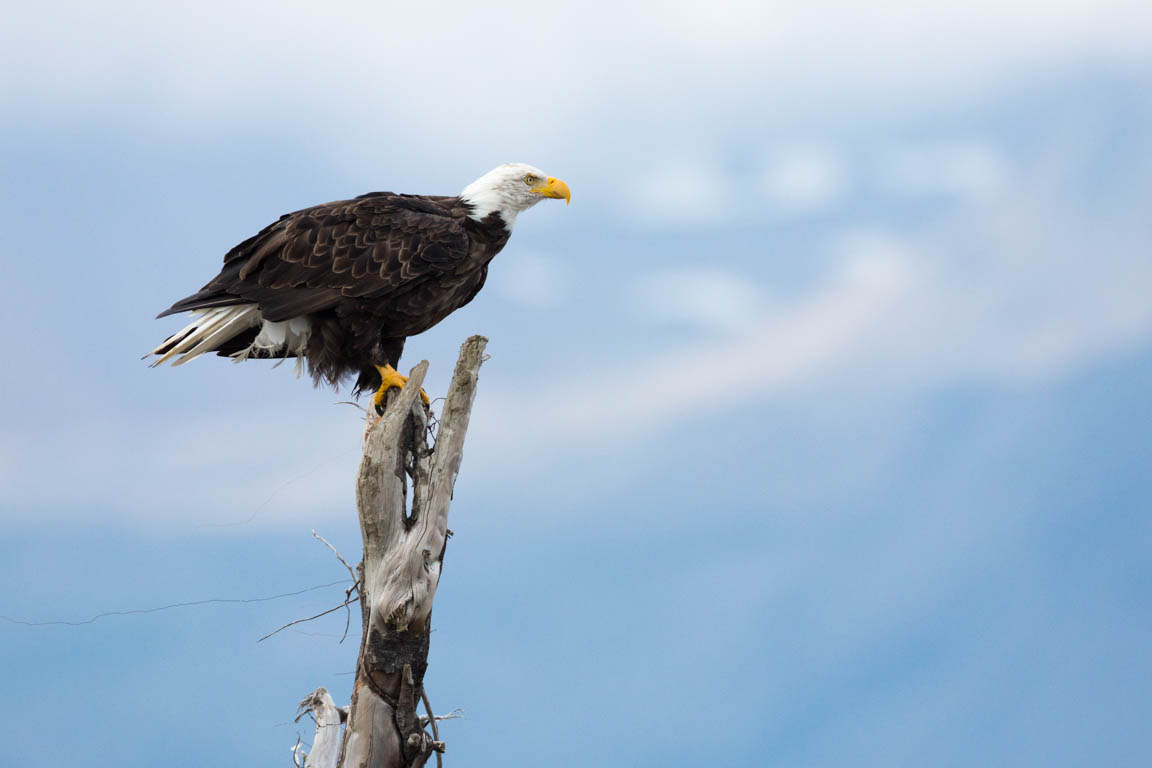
(366, 272)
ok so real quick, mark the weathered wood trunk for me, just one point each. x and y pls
(403, 492)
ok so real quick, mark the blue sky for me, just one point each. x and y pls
(820, 419)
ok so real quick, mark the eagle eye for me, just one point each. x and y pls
(530, 179)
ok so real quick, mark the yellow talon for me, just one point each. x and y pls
(389, 378)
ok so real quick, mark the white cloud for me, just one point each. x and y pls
(804, 179)
(1021, 295)
(784, 348)
(388, 84)
(139, 471)
(683, 193)
(876, 258)
(971, 171)
(707, 297)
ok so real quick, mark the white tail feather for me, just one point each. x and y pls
(212, 328)
(189, 335)
(241, 319)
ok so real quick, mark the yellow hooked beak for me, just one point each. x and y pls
(553, 187)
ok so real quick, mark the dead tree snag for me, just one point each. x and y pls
(403, 492)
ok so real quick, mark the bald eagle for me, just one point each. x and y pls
(342, 285)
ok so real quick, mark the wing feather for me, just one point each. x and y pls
(380, 246)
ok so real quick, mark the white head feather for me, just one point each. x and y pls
(507, 189)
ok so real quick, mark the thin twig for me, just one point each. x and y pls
(301, 621)
(310, 618)
(433, 425)
(285, 484)
(329, 635)
(167, 607)
(347, 614)
(296, 752)
(432, 722)
(348, 594)
(326, 543)
(271, 496)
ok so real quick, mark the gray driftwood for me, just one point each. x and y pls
(326, 742)
(403, 492)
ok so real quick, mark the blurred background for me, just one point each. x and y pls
(816, 431)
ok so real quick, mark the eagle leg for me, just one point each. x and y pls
(389, 378)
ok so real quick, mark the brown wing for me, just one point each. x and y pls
(375, 246)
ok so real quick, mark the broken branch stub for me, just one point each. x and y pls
(326, 742)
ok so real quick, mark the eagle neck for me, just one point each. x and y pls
(483, 204)
(491, 230)
(486, 217)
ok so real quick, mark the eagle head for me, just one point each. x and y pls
(511, 188)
